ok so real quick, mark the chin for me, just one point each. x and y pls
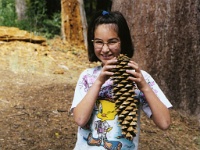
(104, 61)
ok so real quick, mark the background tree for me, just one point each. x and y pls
(21, 7)
(166, 35)
(72, 21)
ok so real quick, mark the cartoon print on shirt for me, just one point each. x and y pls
(106, 111)
(89, 79)
(105, 92)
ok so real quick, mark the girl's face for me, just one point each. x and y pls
(106, 42)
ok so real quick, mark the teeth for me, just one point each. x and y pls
(106, 56)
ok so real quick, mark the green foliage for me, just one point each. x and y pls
(36, 20)
(36, 13)
(52, 26)
(7, 13)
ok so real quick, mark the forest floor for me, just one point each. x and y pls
(36, 89)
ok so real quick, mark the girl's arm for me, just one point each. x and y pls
(82, 112)
(160, 113)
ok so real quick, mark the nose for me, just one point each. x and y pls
(105, 47)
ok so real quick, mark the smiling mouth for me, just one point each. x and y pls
(106, 56)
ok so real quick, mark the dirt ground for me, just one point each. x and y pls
(36, 89)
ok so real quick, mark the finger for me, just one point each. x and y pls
(111, 61)
(134, 65)
(108, 73)
(109, 67)
(133, 73)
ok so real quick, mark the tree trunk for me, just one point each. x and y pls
(84, 21)
(166, 35)
(72, 22)
(20, 6)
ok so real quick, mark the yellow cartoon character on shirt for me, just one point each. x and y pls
(106, 111)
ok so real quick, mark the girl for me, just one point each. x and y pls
(92, 107)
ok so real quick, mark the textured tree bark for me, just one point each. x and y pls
(84, 21)
(72, 28)
(20, 6)
(166, 35)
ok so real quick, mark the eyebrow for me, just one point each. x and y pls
(108, 39)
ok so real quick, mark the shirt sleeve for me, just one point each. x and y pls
(80, 90)
(154, 86)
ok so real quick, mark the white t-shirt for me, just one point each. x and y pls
(103, 131)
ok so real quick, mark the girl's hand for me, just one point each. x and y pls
(106, 72)
(137, 76)
(160, 113)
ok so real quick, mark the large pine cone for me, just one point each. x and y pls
(125, 98)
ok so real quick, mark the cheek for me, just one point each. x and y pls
(96, 52)
(117, 51)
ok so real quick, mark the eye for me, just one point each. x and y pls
(114, 41)
(98, 42)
